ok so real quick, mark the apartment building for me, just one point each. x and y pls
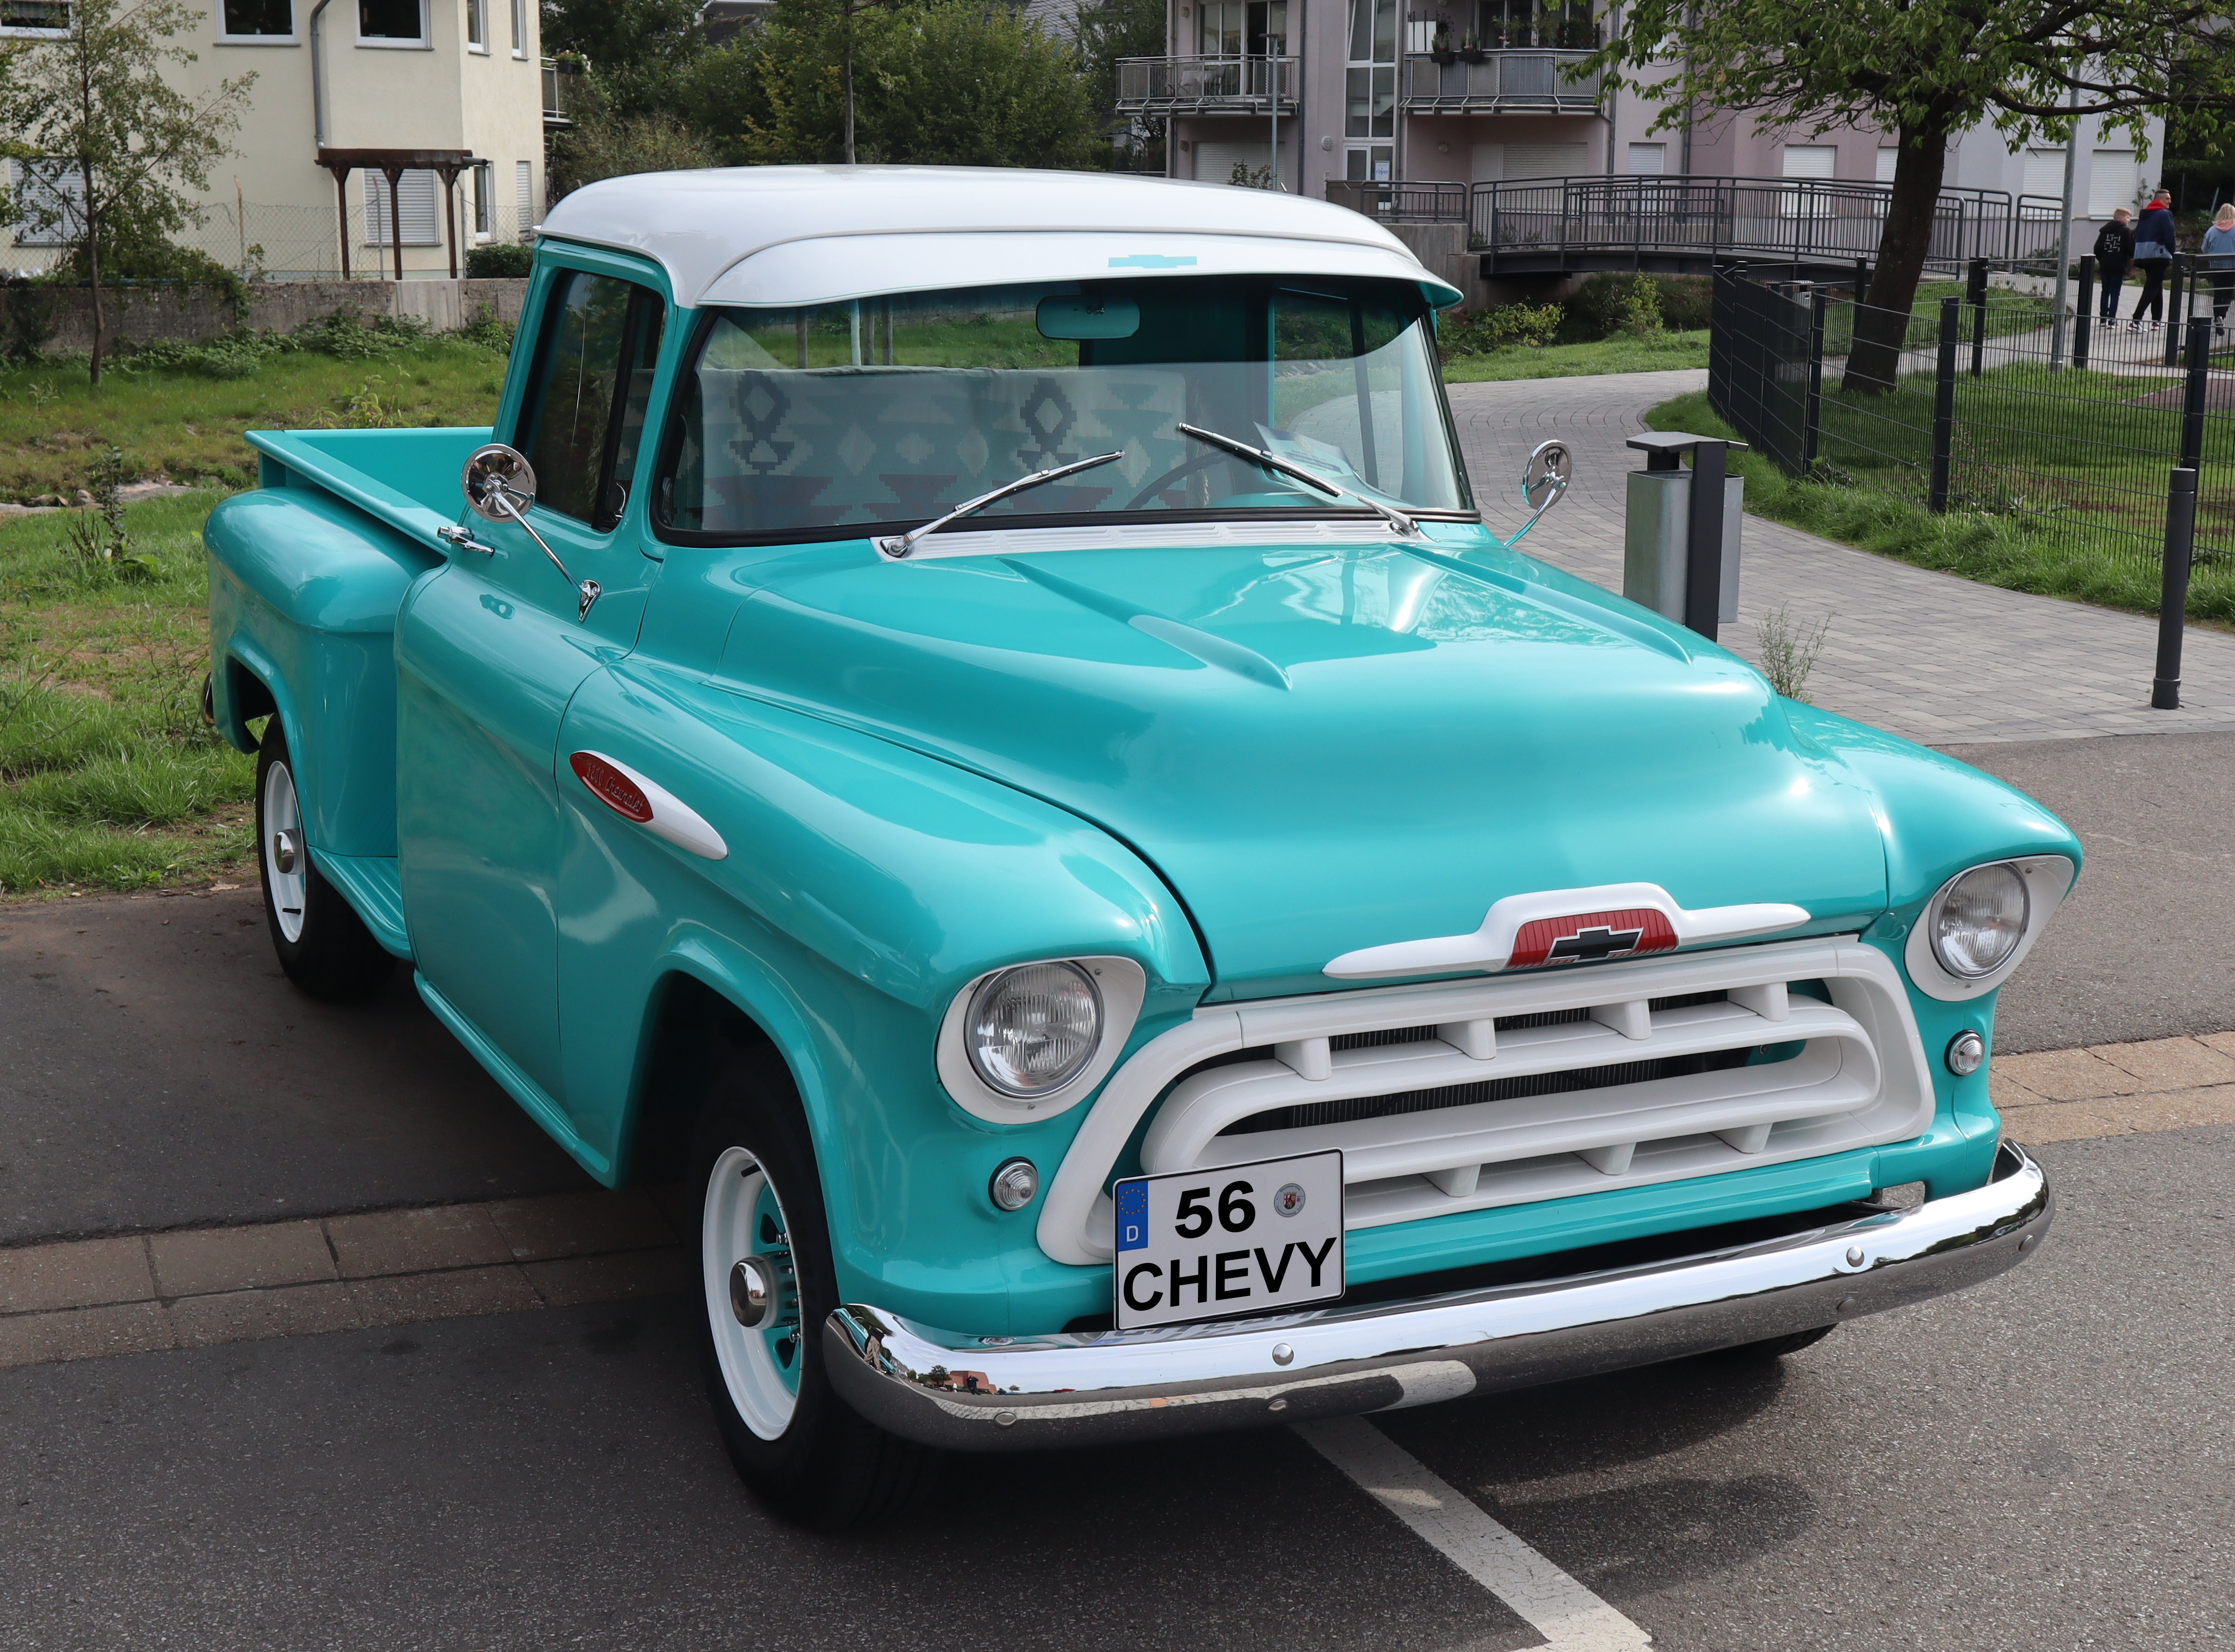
(1296, 93)
(444, 102)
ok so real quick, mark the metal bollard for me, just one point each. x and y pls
(1681, 543)
(2173, 595)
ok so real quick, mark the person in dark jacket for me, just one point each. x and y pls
(2115, 250)
(2154, 250)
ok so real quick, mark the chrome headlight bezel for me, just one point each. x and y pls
(1120, 984)
(2047, 879)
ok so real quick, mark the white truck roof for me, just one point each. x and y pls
(791, 235)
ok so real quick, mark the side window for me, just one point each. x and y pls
(584, 418)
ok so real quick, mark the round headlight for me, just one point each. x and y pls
(1033, 1030)
(1980, 921)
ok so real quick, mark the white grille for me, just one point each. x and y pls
(1586, 1085)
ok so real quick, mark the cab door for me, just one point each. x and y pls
(490, 651)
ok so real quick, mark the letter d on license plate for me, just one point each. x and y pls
(1239, 1239)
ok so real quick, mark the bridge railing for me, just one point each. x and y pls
(1773, 218)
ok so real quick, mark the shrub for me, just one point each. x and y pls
(1688, 302)
(488, 332)
(500, 261)
(1507, 327)
(1608, 305)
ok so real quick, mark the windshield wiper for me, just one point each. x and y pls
(900, 544)
(1403, 523)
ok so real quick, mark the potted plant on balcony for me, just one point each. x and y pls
(1471, 51)
(1439, 49)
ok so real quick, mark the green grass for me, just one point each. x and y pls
(1653, 354)
(109, 779)
(2051, 515)
(186, 425)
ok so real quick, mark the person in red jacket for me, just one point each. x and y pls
(2153, 250)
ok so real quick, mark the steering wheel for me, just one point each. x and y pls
(1185, 467)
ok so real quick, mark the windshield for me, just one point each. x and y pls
(888, 412)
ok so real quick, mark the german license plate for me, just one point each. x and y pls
(1242, 1238)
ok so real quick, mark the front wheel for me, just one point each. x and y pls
(768, 1285)
(323, 945)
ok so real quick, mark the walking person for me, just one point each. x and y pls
(2115, 250)
(2219, 264)
(2153, 250)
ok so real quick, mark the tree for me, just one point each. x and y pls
(956, 82)
(606, 143)
(1925, 71)
(119, 148)
(1105, 32)
(633, 47)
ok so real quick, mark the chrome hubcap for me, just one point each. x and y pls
(286, 872)
(752, 1294)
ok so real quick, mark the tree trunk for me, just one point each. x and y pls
(93, 267)
(1882, 320)
(849, 92)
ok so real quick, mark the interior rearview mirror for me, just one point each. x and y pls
(1088, 318)
(500, 483)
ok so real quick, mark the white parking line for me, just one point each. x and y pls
(1570, 1616)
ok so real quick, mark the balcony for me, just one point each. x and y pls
(1206, 85)
(1503, 82)
(558, 92)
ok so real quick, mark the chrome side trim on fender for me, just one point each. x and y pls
(1012, 1393)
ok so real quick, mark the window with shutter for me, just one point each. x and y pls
(1810, 160)
(524, 191)
(2114, 181)
(2044, 173)
(1889, 157)
(1546, 159)
(419, 201)
(1648, 160)
(48, 194)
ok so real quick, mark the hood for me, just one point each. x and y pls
(1328, 748)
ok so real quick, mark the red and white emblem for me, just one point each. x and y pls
(1568, 927)
(651, 805)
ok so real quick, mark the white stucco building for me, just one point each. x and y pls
(450, 96)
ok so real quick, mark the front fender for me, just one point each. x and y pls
(863, 886)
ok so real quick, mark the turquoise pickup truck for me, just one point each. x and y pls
(975, 717)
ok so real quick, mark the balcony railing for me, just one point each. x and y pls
(1206, 85)
(1402, 203)
(558, 93)
(1502, 82)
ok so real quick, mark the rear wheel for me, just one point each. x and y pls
(1773, 1347)
(323, 945)
(768, 1285)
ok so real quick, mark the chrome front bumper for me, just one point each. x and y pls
(1020, 1393)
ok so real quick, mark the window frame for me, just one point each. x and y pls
(519, 30)
(684, 378)
(292, 37)
(422, 42)
(477, 24)
(26, 31)
(645, 300)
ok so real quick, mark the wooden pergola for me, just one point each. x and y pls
(392, 164)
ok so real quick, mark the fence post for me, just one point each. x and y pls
(2083, 319)
(1813, 435)
(2173, 595)
(2173, 310)
(2192, 404)
(1943, 406)
(1977, 297)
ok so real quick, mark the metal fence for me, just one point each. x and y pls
(1422, 203)
(295, 243)
(2001, 406)
(1778, 219)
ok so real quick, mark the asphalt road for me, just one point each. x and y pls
(162, 1072)
(2142, 949)
(2046, 1463)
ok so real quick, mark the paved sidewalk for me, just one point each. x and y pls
(84, 1298)
(1941, 660)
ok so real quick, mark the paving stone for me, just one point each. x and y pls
(601, 1279)
(2223, 1042)
(199, 1261)
(1925, 654)
(2007, 1092)
(2169, 1064)
(74, 1274)
(2067, 1075)
(444, 1296)
(411, 1242)
(2122, 1115)
(246, 1315)
(579, 1224)
(83, 1332)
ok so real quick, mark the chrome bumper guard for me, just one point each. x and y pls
(1028, 1392)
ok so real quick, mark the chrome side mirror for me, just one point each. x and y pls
(499, 486)
(1544, 479)
(500, 483)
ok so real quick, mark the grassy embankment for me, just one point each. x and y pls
(1657, 353)
(2058, 484)
(109, 779)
